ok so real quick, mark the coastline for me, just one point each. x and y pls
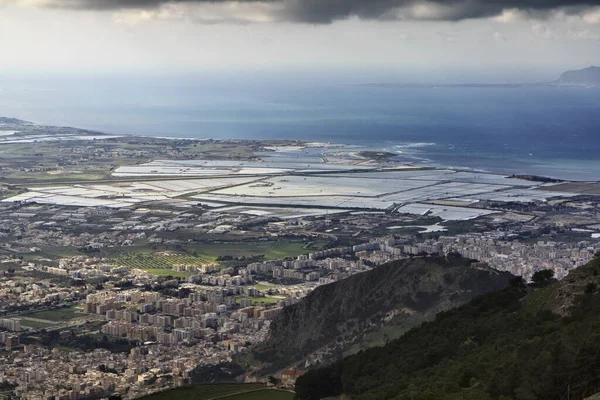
(416, 154)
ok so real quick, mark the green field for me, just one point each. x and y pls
(263, 287)
(35, 324)
(146, 258)
(271, 251)
(205, 392)
(52, 253)
(57, 315)
(156, 261)
(265, 394)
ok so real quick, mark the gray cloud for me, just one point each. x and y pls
(326, 11)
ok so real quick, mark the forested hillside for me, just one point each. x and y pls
(519, 343)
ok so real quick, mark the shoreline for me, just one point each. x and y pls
(410, 152)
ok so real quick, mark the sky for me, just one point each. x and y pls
(443, 40)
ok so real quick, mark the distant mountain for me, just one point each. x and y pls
(371, 308)
(450, 85)
(589, 77)
(514, 344)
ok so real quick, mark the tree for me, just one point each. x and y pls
(543, 278)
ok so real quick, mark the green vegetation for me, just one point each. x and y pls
(157, 260)
(377, 155)
(263, 287)
(496, 347)
(36, 324)
(270, 251)
(205, 392)
(265, 394)
(161, 262)
(543, 278)
(57, 314)
(52, 253)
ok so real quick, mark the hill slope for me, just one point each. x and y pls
(381, 303)
(583, 77)
(503, 345)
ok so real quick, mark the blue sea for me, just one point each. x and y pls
(545, 131)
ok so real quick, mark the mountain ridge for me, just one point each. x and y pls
(370, 308)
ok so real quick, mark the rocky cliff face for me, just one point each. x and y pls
(371, 308)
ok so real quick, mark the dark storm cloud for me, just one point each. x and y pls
(326, 11)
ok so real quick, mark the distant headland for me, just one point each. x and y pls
(588, 77)
(585, 78)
